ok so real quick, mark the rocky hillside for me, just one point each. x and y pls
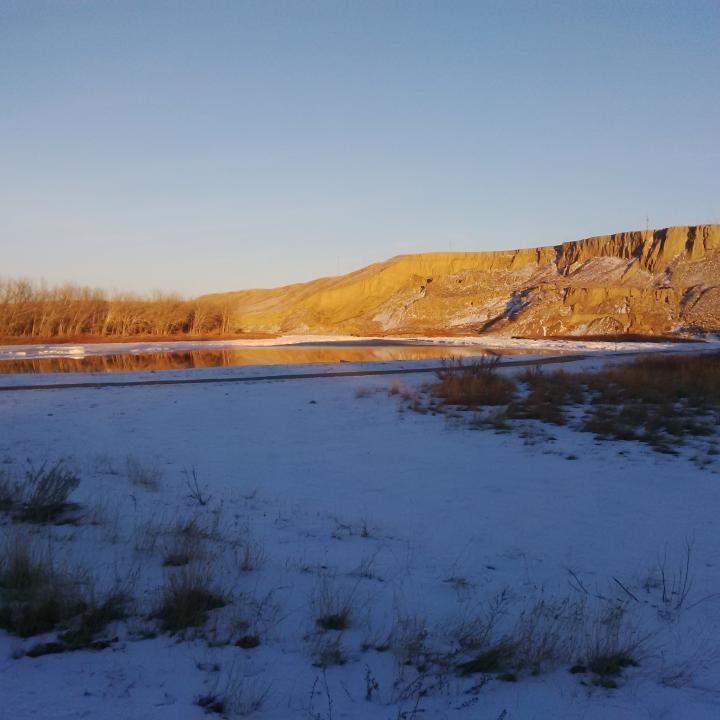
(650, 282)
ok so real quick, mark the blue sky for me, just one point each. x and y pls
(217, 145)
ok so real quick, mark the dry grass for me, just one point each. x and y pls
(97, 615)
(655, 379)
(258, 615)
(658, 400)
(252, 556)
(143, 474)
(551, 632)
(45, 493)
(546, 633)
(241, 695)
(185, 542)
(328, 651)
(9, 491)
(179, 536)
(473, 384)
(35, 595)
(612, 644)
(182, 549)
(187, 597)
(333, 606)
(548, 396)
(408, 640)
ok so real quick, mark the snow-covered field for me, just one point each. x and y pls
(328, 491)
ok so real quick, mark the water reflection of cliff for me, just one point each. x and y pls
(234, 356)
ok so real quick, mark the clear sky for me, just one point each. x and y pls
(220, 144)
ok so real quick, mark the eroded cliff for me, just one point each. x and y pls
(650, 282)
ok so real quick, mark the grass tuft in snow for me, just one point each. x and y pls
(35, 595)
(328, 651)
(9, 491)
(333, 606)
(241, 695)
(251, 556)
(143, 474)
(44, 494)
(187, 597)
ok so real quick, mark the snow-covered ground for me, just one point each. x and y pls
(421, 522)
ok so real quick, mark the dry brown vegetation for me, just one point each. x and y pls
(189, 594)
(333, 606)
(34, 310)
(473, 384)
(35, 594)
(660, 400)
(41, 495)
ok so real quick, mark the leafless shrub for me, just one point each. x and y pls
(45, 493)
(258, 615)
(143, 474)
(676, 584)
(196, 493)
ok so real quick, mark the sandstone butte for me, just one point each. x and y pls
(646, 282)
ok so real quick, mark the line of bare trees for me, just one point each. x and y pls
(30, 309)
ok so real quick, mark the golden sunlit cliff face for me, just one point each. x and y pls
(649, 282)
